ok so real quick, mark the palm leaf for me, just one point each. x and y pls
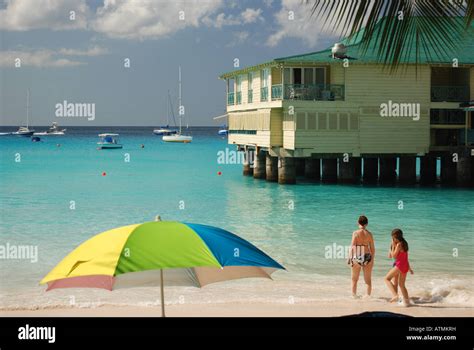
(428, 27)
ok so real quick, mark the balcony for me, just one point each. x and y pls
(308, 92)
(230, 98)
(277, 92)
(450, 93)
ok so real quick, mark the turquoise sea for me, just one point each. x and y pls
(57, 197)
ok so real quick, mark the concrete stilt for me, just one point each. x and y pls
(448, 169)
(464, 170)
(329, 170)
(248, 170)
(388, 170)
(472, 172)
(407, 170)
(287, 171)
(347, 171)
(370, 170)
(428, 170)
(312, 170)
(259, 171)
(300, 166)
(271, 168)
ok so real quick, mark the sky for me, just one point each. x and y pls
(80, 56)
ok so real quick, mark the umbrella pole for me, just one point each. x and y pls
(162, 294)
(162, 289)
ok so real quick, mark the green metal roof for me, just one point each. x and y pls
(427, 54)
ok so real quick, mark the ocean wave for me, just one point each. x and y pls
(454, 292)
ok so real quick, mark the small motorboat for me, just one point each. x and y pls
(52, 131)
(223, 132)
(35, 139)
(109, 141)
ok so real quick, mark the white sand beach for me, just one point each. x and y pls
(283, 297)
(317, 309)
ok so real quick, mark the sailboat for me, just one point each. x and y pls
(178, 137)
(25, 130)
(165, 130)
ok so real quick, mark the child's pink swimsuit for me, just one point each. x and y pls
(402, 262)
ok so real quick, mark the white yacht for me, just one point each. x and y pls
(179, 137)
(52, 131)
(166, 130)
(25, 130)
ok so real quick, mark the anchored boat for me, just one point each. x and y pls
(109, 141)
(178, 137)
(52, 131)
(165, 130)
(25, 130)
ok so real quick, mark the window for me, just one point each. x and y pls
(308, 76)
(343, 121)
(332, 121)
(447, 117)
(312, 121)
(238, 83)
(287, 76)
(250, 88)
(320, 76)
(264, 77)
(322, 121)
(354, 121)
(301, 120)
(297, 76)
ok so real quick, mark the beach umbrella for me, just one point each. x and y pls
(182, 254)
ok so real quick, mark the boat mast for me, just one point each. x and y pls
(168, 110)
(27, 108)
(179, 98)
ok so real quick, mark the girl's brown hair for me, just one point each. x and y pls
(398, 235)
(363, 220)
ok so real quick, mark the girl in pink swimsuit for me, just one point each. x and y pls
(396, 277)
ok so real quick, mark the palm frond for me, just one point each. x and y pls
(424, 24)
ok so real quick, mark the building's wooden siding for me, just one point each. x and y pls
(276, 76)
(276, 127)
(266, 122)
(262, 139)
